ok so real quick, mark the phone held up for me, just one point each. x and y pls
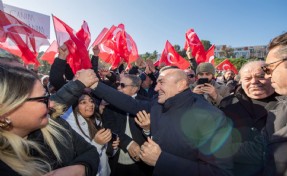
(202, 81)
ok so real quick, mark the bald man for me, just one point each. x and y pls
(188, 135)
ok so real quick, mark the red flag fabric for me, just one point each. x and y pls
(127, 48)
(192, 40)
(50, 53)
(100, 37)
(226, 65)
(109, 50)
(170, 57)
(210, 55)
(84, 34)
(20, 39)
(78, 57)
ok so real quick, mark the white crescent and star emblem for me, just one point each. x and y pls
(225, 67)
(105, 49)
(169, 55)
(210, 59)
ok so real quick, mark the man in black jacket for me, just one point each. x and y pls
(189, 135)
(126, 161)
(248, 109)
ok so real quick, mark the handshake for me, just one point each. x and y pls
(88, 77)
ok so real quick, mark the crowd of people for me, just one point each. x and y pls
(145, 121)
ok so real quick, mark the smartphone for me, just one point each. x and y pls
(114, 136)
(202, 81)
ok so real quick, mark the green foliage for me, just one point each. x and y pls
(206, 44)
(44, 67)
(152, 56)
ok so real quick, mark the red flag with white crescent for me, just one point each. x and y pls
(100, 37)
(193, 41)
(20, 39)
(78, 57)
(170, 57)
(210, 55)
(226, 65)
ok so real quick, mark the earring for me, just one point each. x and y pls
(5, 123)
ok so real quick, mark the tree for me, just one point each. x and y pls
(44, 67)
(227, 52)
(206, 44)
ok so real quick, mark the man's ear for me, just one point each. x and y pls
(182, 85)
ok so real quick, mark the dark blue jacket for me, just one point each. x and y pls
(194, 136)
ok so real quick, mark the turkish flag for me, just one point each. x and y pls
(77, 43)
(196, 46)
(109, 50)
(170, 57)
(20, 39)
(226, 65)
(100, 37)
(50, 53)
(84, 34)
(210, 55)
(127, 48)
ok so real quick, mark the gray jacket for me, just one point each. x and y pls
(276, 131)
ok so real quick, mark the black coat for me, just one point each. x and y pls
(116, 119)
(76, 151)
(185, 128)
(249, 118)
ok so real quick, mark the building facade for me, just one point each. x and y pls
(247, 52)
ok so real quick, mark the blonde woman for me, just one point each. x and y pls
(31, 143)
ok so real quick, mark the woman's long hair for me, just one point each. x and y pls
(92, 126)
(16, 84)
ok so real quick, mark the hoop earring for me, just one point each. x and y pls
(5, 123)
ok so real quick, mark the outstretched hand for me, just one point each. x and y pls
(143, 120)
(63, 52)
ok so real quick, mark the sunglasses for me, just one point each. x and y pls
(42, 99)
(269, 71)
(190, 75)
(123, 85)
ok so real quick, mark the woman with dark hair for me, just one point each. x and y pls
(86, 120)
(32, 143)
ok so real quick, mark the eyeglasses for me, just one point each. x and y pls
(190, 75)
(43, 99)
(123, 85)
(269, 71)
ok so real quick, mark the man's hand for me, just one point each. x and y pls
(198, 89)
(87, 77)
(105, 72)
(189, 53)
(210, 90)
(150, 65)
(143, 120)
(96, 50)
(150, 152)
(63, 52)
(134, 151)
